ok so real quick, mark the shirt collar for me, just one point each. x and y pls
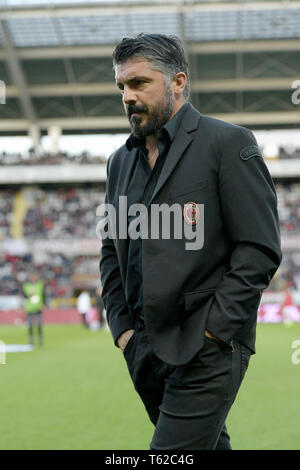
(169, 130)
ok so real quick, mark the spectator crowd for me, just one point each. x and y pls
(56, 271)
(61, 213)
(289, 207)
(45, 158)
(70, 213)
(64, 158)
(286, 152)
(65, 213)
(288, 275)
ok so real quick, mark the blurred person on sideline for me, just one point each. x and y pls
(184, 318)
(84, 306)
(100, 306)
(34, 293)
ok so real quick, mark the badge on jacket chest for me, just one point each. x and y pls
(191, 213)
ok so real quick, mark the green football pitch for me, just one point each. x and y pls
(75, 393)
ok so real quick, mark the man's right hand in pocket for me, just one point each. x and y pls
(124, 338)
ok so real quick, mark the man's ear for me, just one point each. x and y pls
(179, 82)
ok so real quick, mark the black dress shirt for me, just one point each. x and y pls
(140, 190)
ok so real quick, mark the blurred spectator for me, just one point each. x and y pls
(100, 306)
(84, 306)
(34, 294)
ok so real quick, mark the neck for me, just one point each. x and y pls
(151, 140)
(178, 103)
(151, 143)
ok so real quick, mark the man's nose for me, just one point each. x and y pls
(129, 96)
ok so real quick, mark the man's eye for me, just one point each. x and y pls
(139, 82)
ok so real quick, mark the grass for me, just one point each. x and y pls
(75, 393)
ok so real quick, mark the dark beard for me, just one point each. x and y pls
(156, 118)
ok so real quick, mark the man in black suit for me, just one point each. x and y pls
(184, 313)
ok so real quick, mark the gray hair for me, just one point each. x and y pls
(165, 53)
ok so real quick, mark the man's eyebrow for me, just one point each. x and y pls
(135, 78)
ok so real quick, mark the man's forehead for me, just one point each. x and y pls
(133, 67)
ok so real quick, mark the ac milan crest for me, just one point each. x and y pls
(191, 213)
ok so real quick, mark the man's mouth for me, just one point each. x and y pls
(136, 114)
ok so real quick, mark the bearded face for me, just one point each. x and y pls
(148, 119)
(148, 97)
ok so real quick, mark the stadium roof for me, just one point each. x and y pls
(75, 23)
(55, 60)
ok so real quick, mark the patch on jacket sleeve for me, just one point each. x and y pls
(251, 151)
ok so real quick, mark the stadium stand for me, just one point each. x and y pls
(287, 153)
(53, 231)
(70, 214)
(84, 158)
(289, 207)
(45, 158)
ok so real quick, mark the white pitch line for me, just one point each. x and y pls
(18, 347)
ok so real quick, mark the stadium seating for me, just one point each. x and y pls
(63, 213)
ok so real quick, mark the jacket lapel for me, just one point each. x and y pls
(179, 145)
(126, 171)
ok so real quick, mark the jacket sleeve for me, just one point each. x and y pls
(117, 313)
(249, 205)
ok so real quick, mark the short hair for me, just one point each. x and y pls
(164, 52)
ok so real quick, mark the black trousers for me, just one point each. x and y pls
(187, 404)
(35, 319)
(84, 320)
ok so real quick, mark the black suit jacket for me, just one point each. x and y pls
(218, 287)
